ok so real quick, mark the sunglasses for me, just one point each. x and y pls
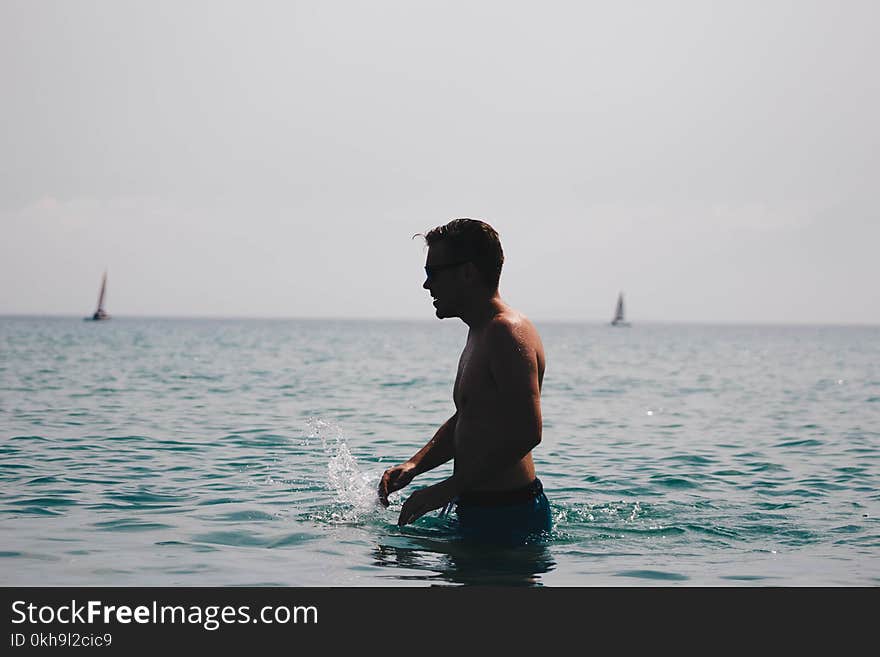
(433, 270)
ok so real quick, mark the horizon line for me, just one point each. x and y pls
(548, 320)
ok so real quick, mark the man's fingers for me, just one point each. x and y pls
(386, 487)
(415, 515)
(404, 514)
(393, 480)
(410, 513)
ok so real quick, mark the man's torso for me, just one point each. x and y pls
(479, 405)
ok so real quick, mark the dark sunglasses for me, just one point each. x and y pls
(433, 270)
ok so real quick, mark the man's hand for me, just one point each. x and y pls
(426, 499)
(394, 479)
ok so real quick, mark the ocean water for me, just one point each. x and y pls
(220, 452)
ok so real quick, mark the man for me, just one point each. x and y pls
(497, 395)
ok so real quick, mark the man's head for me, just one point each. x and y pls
(474, 241)
(464, 262)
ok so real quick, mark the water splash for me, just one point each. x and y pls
(355, 491)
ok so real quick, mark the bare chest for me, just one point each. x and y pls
(474, 378)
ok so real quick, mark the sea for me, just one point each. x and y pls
(209, 452)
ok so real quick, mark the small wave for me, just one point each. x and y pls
(773, 506)
(767, 467)
(673, 482)
(244, 516)
(653, 531)
(48, 479)
(294, 539)
(126, 439)
(871, 541)
(607, 392)
(822, 485)
(235, 539)
(15, 466)
(147, 499)
(690, 458)
(796, 492)
(44, 501)
(128, 525)
(653, 575)
(36, 511)
(850, 470)
(713, 530)
(808, 442)
(403, 384)
(219, 500)
(199, 377)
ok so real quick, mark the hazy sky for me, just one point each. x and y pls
(717, 161)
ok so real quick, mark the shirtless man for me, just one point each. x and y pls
(497, 395)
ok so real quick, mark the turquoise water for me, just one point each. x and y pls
(210, 452)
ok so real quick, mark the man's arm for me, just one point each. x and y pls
(437, 451)
(514, 367)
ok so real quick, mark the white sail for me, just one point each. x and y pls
(103, 291)
(100, 313)
(619, 317)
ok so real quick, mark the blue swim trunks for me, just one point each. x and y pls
(510, 516)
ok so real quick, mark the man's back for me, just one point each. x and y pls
(497, 394)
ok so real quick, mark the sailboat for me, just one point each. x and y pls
(619, 319)
(100, 313)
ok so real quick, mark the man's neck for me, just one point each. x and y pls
(482, 311)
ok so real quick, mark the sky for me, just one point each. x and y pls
(715, 161)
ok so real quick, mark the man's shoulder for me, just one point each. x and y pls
(510, 326)
(513, 347)
(506, 322)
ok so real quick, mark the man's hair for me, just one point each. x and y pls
(473, 241)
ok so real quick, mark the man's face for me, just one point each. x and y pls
(443, 280)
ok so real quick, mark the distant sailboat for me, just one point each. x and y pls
(100, 313)
(619, 319)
